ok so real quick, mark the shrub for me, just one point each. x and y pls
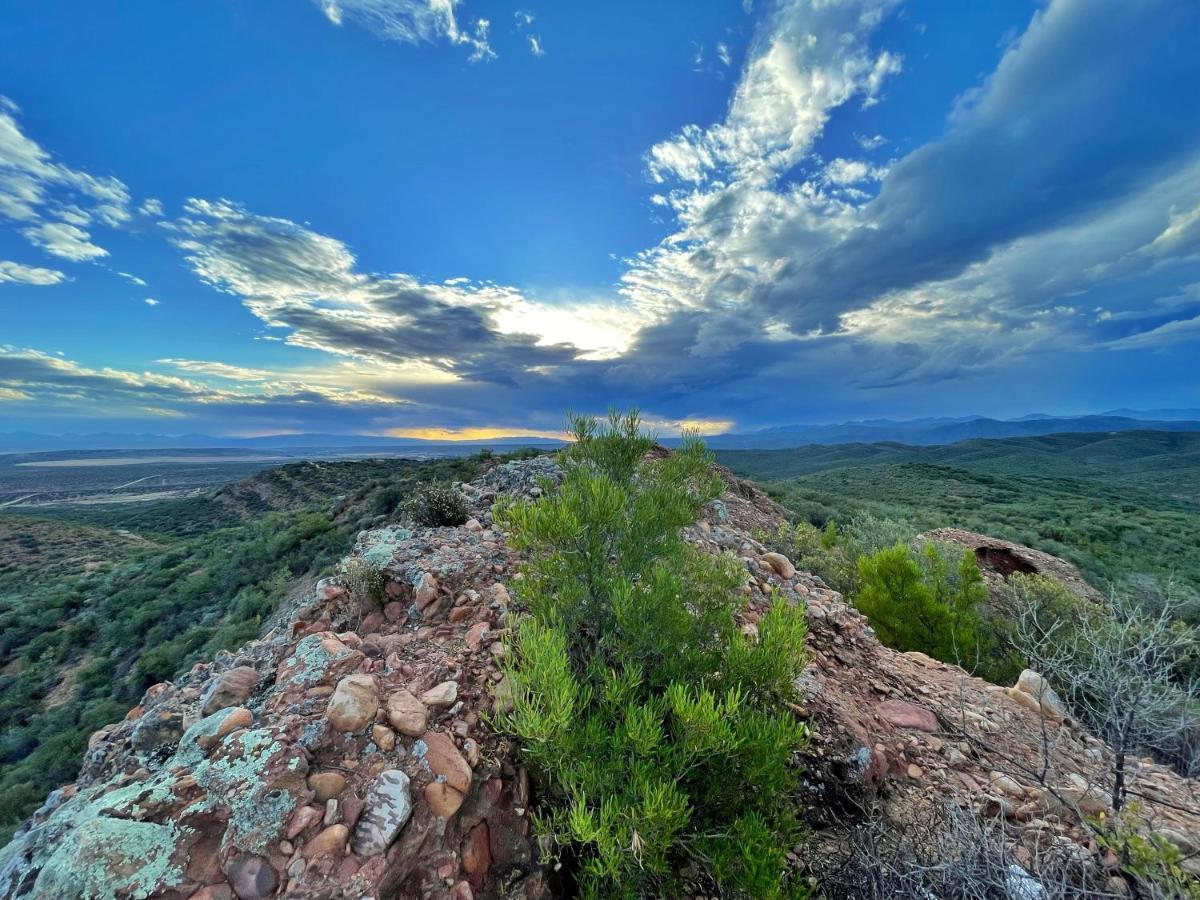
(651, 724)
(363, 583)
(436, 505)
(916, 600)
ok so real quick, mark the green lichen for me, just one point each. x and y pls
(105, 858)
(380, 545)
(189, 752)
(310, 659)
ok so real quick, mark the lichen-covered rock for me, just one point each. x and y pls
(387, 810)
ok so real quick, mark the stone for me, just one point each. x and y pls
(353, 704)
(443, 800)
(903, 714)
(477, 855)
(230, 688)
(475, 635)
(473, 525)
(441, 695)
(251, 876)
(781, 565)
(386, 810)
(158, 727)
(1033, 692)
(394, 611)
(444, 760)
(326, 785)
(915, 772)
(301, 819)
(330, 841)
(407, 714)
(426, 591)
(383, 738)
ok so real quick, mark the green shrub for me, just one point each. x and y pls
(916, 600)
(653, 727)
(436, 505)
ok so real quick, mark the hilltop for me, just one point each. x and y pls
(347, 752)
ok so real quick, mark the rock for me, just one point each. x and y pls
(326, 785)
(383, 738)
(394, 611)
(473, 525)
(251, 876)
(1033, 692)
(781, 565)
(907, 715)
(353, 704)
(158, 727)
(476, 855)
(301, 819)
(444, 760)
(407, 714)
(386, 810)
(442, 695)
(915, 772)
(230, 688)
(955, 759)
(426, 591)
(329, 842)
(443, 799)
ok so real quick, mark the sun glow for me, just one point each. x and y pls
(473, 434)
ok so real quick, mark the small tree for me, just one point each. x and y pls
(651, 724)
(1117, 666)
(917, 601)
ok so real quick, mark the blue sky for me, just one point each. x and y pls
(419, 216)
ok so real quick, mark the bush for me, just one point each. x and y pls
(917, 601)
(436, 505)
(651, 724)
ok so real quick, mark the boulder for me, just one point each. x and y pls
(781, 565)
(443, 799)
(353, 704)
(907, 715)
(230, 688)
(1033, 692)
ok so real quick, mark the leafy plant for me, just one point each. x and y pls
(436, 505)
(652, 725)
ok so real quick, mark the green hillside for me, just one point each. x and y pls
(1114, 504)
(99, 602)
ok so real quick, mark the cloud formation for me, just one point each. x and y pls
(21, 274)
(55, 204)
(412, 22)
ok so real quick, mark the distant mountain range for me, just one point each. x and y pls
(918, 432)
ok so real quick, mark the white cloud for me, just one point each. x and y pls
(151, 207)
(150, 301)
(723, 54)
(412, 22)
(15, 272)
(535, 46)
(54, 201)
(64, 240)
(870, 142)
(851, 171)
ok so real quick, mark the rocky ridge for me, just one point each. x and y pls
(349, 755)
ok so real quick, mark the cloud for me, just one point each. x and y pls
(64, 240)
(150, 301)
(723, 54)
(21, 274)
(308, 284)
(412, 22)
(55, 202)
(151, 207)
(535, 45)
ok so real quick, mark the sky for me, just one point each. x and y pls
(438, 218)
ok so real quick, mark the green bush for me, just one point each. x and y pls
(436, 505)
(916, 600)
(657, 733)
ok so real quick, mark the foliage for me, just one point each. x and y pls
(1115, 505)
(436, 505)
(652, 725)
(1149, 860)
(364, 584)
(106, 601)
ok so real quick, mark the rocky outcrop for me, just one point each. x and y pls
(998, 559)
(347, 752)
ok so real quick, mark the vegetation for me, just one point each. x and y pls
(1117, 506)
(436, 506)
(97, 604)
(657, 732)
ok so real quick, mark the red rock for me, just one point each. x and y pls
(477, 855)
(460, 613)
(426, 591)
(407, 714)
(903, 714)
(352, 808)
(475, 635)
(443, 759)
(329, 842)
(394, 611)
(230, 688)
(353, 704)
(301, 819)
(326, 785)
